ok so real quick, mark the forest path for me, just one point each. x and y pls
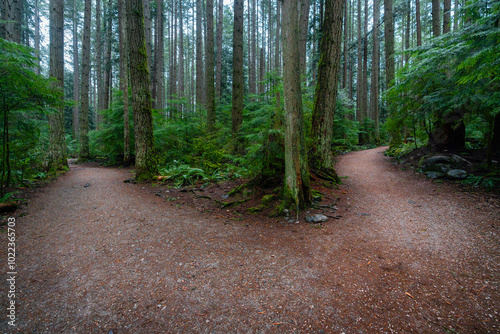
(97, 254)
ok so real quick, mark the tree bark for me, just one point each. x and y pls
(108, 65)
(237, 108)
(199, 55)
(124, 78)
(76, 73)
(12, 15)
(57, 142)
(305, 6)
(389, 43)
(148, 34)
(37, 36)
(84, 151)
(220, 21)
(252, 54)
(419, 25)
(145, 158)
(210, 67)
(447, 16)
(326, 90)
(98, 63)
(436, 31)
(359, 79)
(296, 187)
(375, 70)
(180, 62)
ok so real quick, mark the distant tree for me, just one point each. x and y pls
(84, 151)
(237, 108)
(145, 157)
(210, 58)
(124, 78)
(57, 142)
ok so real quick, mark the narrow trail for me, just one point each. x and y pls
(96, 255)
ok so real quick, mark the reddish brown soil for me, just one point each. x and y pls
(407, 256)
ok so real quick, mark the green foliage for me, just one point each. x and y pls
(24, 103)
(458, 70)
(489, 183)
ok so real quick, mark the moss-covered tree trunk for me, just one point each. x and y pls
(296, 187)
(145, 159)
(57, 142)
(326, 90)
(84, 151)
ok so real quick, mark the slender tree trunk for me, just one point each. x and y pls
(98, 56)
(407, 36)
(107, 69)
(148, 33)
(364, 84)
(57, 141)
(180, 62)
(220, 21)
(359, 79)
(210, 67)
(326, 90)
(252, 71)
(84, 152)
(124, 79)
(296, 187)
(199, 55)
(76, 73)
(436, 31)
(346, 37)
(145, 158)
(447, 16)
(419, 25)
(237, 108)
(375, 70)
(277, 59)
(37, 36)
(305, 6)
(389, 43)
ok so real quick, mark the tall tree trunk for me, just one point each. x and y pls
(237, 108)
(407, 31)
(84, 152)
(108, 65)
(148, 33)
(364, 84)
(180, 62)
(436, 31)
(305, 6)
(199, 55)
(419, 25)
(375, 70)
(346, 37)
(98, 63)
(296, 187)
(220, 21)
(252, 70)
(446, 16)
(277, 56)
(326, 90)
(37, 36)
(57, 141)
(210, 67)
(359, 78)
(76, 72)
(145, 158)
(124, 79)
(12, 17)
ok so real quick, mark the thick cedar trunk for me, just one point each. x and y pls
(76, 73)
(326, 89)
(122, 20)
(375, 70)
(84, 152)
(210, 67)
(237, 108)
(296, 187)
(199, 56)
(57, 142)
(220, 18)
(145, 159)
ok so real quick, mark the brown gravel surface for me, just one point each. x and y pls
(96, 255)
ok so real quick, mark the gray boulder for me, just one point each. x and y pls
(318, 218)
(457, 174)
(434, 175)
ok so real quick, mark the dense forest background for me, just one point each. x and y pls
(204, 90)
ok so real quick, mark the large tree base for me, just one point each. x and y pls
(326, 173)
